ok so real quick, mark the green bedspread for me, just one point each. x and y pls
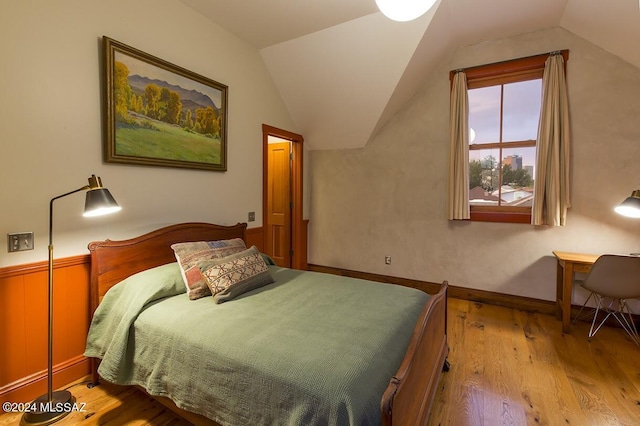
(308, 349)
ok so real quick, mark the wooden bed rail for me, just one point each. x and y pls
(410, 394)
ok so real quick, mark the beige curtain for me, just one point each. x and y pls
(459, 149)
(551, 187)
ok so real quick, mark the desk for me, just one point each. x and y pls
(568, 263)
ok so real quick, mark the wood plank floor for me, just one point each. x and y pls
(508, 367)
(111, 405)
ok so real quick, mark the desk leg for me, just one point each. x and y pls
(567, 286)
(559, 286)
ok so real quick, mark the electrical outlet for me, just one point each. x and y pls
(20, 241)
(252, 216)
(387, 260)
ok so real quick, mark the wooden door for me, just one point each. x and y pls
(278, 226)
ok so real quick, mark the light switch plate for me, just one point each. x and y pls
(20, 241)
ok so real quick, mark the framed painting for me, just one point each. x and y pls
(159, 114)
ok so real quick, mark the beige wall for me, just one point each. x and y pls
(51, 118)
(390, 197)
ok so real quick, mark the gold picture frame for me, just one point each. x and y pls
(159, 114)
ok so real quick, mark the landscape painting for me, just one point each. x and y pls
(160, 114)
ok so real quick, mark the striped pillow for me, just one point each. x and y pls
(236, 274)
(189, 254)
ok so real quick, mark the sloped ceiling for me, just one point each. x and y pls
(344, 70)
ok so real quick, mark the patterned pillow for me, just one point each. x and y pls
(189, 254)
(236, 274)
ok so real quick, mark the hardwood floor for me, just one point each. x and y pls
(111, 405)
(508, 367)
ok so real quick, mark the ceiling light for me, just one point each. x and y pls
(404, 10)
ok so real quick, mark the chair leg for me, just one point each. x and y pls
(600, 306)
(628, 324)
(575, 319)
(616, 308)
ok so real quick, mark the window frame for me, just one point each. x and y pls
(500, 73)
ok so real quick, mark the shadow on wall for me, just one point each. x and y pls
(541, 273)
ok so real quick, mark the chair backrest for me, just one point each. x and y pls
(615, 275)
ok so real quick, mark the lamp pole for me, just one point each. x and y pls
(65, 398)
(53, 406)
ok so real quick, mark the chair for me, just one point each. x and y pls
(612, 280)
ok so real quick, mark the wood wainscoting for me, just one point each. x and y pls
(24, 326)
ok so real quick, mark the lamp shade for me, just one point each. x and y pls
(99, 202)
(404, 10)
(631, 206)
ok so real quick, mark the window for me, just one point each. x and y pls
(504, 110)
(502, 147)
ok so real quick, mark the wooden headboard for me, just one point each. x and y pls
(113, 261)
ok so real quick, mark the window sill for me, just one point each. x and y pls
(504, 217)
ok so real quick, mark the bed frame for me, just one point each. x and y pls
(409, 396)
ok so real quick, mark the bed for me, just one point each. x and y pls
(307, 348)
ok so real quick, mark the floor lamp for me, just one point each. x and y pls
(53, 406)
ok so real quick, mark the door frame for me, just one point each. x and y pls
(298, 236)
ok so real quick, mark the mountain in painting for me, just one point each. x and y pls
(191, 99)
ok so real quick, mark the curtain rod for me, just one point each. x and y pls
(564, 52)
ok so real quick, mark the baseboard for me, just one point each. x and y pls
(521, 303)
(427, 287)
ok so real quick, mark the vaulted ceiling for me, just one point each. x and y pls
(343, 69)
